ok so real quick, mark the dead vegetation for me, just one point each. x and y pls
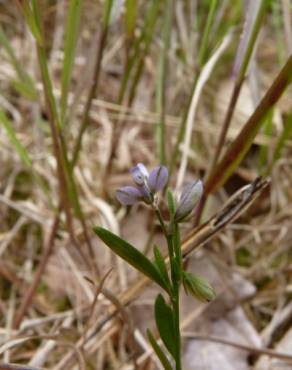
(66, 301)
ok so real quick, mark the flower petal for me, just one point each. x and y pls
(128, 195)
(189, 198)
(147, 194)
(158, 178)
(139, 173)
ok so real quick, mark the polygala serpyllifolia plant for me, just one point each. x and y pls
(166, 307)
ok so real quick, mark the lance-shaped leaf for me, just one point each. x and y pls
(165, 324)
(160, 354)
(161, 266)
(131, 255)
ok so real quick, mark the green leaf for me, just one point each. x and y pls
(161, 266)
(131, 255)
(165, 324)
(20, 149)
(171, 203)
(160, 354)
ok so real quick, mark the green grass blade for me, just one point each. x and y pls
(147, 35)
(205, 38)
(32, 21)
(255, 16)
(140, 49)
(286, 134)
(107, 11)
(65, 172)
(20, 149)
(130, 17)
(71, 36)
(25, 84)
(264, 149)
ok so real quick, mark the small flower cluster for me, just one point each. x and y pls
(147, 185)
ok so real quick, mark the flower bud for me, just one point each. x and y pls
(158, 178)
(140, 174)
(189, 198)
(198, 287)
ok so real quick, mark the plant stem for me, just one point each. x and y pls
(175, 257)
(175, 306)
(176, 262)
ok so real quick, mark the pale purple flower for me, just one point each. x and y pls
(128, 195)
(147, 185)
(158, 178)
(188, 200)
(139, 174)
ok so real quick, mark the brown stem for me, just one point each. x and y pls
(91, 94)
(27, 299)
(241, 144)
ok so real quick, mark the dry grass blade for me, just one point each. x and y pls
(4, 366)
(257, 351)
(207, 70)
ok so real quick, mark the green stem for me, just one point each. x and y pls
(172, 236)
(175, 306)
(169, 240)
(175, 266)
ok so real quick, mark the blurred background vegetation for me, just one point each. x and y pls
(87, 90)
